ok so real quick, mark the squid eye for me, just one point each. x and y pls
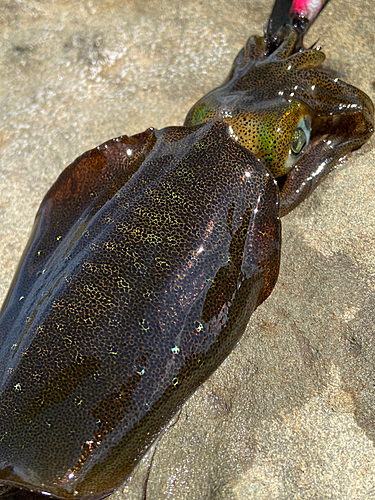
(298, 142)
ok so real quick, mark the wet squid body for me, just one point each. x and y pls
(147, 258)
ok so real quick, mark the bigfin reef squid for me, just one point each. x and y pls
(150, 253)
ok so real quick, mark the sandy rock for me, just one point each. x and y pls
(290, 413)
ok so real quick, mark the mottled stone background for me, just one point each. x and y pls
(291, 413)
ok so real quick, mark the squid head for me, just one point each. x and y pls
(294, 114)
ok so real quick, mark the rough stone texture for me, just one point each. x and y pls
(290, 414)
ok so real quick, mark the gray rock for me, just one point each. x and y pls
(290, 413)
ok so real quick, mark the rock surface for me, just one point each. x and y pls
(291, 412)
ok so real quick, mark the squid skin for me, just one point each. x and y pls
(155, 283)
(147, 258)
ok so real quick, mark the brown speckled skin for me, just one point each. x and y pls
(134, 305)
(148, 256)
(263, 99)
